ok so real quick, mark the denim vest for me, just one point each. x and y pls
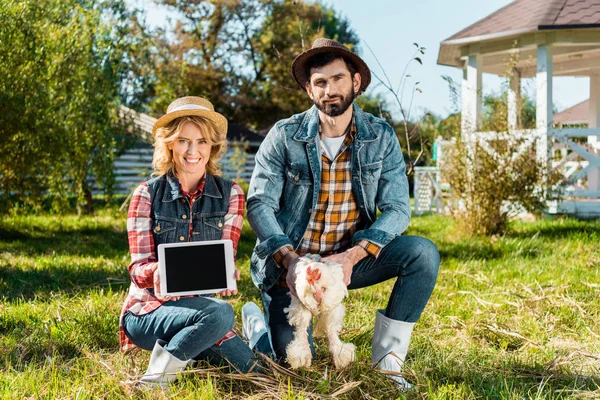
(286, 181)
(171, 210)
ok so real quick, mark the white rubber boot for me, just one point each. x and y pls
(163, 367)
(390, 345)
(253, 323)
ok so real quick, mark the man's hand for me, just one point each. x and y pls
(157, 293)
(231, 292)
(348, 259)
(289, 262)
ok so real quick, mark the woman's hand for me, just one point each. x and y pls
(231, 292)
(157, 293)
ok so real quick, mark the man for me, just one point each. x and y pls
(319, 179)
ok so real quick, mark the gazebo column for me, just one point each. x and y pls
(544, 114)
(594, 122)
(514, 101)
(471, 95)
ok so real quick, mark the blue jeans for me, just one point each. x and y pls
(191, 327)
(412, 260)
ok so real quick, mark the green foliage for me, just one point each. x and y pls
(375, 105)
(238, 159)
(495, 112)
(493, 180)
(238, 54)
(505, 321)
(63, 64)
(433, 127)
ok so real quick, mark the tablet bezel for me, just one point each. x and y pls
(229, 267)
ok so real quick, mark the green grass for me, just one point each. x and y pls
(511, 317)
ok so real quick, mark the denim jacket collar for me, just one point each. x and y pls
(173, 192)
(309, 129)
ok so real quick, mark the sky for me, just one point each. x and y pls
(390, 27)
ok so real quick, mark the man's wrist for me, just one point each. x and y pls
(289, 259)
(371, 248)
(358, 253)
(280, 254)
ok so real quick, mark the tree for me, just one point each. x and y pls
(238, 54)
(62, 75)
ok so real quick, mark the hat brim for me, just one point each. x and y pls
(299, 65)
(217, 120)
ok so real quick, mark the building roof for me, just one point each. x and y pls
(576, 115)
(238, 133)
(578, 13)
(532, 15)
(521, 17)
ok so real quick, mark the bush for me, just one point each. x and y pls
(494, 178)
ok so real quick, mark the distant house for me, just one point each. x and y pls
(240, 134)
(577, 115)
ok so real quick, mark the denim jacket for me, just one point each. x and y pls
(285, 185)
(171, 210)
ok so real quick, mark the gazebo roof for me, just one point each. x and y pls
(526, 21)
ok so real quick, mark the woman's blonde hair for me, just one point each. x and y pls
(162, 161)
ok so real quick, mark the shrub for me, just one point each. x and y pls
(494, 177)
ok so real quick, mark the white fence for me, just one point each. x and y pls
(135, 166)
(574, 153)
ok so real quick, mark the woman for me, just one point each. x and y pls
(187, 200)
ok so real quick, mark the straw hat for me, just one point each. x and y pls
(192, 105)
(324, 45)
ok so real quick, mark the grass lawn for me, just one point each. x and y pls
(514, 317)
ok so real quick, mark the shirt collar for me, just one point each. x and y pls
(207, 187)
(197, 193)
(350, 129)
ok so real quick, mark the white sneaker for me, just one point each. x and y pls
(253, 323)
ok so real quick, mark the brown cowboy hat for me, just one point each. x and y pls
(190, 106)
(324, 45)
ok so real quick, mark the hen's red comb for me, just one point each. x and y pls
(312, 275)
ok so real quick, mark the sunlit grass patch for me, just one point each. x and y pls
(512, 317)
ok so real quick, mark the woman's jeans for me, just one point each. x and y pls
(411, 260)
(191, 326)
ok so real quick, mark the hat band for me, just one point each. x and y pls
(189, 107)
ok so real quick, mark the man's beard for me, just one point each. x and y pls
(335, 109)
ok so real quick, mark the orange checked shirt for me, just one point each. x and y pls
(336, 217)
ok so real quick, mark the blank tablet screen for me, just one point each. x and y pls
(195, 267)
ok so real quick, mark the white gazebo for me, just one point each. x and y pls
(541, 39)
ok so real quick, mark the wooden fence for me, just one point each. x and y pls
(135, 166)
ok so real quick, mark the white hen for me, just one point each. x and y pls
(321, 290)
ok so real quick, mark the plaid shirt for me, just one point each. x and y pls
(336, 217)
(140, 301)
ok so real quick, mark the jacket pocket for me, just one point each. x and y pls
(212, 227)
(163, 231)
(297, 175)
(295, 190)
(370, 173)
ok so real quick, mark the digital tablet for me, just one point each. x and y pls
(196, 267)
